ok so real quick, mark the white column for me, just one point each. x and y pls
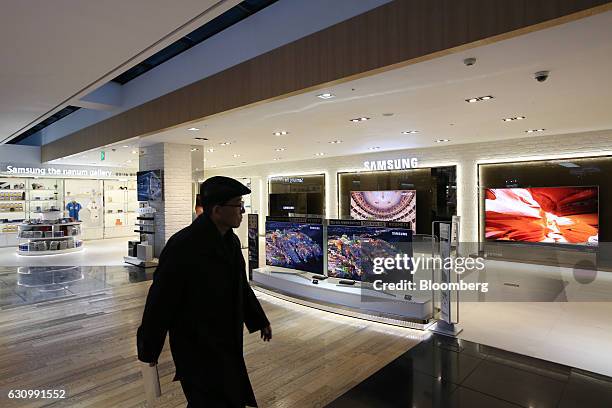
(174, 212)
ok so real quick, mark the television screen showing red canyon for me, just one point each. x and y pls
(565, 215)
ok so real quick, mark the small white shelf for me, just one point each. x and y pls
(48, 238)
(56, 252)
(50, 225)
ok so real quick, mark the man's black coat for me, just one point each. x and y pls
(201, 296)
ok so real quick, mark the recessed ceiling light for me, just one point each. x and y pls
(280, 149)
(126, 146)
(534, 130)
(225, 143)
(134, 151)
(442, 140)
(326, 95)
(200, 138)
(374, 148)
(193, 129)
(335, 142)
(479, 98)
(319, 154)
(409, 132)
(362, 119)
(280, 133)
(194, 149)
(210, 150)
(277, 158)
(513, 118)
(236, 155)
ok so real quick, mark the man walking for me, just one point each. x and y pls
(200, 295)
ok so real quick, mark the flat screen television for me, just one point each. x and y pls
(149, 185)
(352, 248)
(390, 205)
(295, 245)
(554, 215)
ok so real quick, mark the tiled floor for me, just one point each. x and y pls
(445, 372)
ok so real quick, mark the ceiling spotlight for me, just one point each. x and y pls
(326, 95)
(200, 138)
(480, 98)
(281, 133)
(277, 158)
(335, 142)
(126, 146)
(134, 151)
(225, 143)
(534, 130)
(210, 150)
(235, 156)
(410, 132)
(442, 140)
(362, 119)
(513, 118)
(194, 149)
(193, 129)
(280, 149)
(319, 154)
(374, 148)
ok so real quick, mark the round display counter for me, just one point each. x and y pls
(49, 237)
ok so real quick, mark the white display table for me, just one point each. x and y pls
(355, 301)
(50, 237)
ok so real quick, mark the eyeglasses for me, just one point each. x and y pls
(241, 206)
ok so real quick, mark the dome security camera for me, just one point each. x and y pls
(541, 76)
(469, 61)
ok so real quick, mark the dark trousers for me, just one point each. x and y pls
(199, 398)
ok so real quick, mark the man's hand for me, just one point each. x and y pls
(266, 333)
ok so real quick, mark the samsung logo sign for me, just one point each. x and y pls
(391, 164)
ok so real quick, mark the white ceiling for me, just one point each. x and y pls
(429, 97)
(55, 51)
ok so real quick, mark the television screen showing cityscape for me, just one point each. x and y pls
(295, 245)
(351, 249)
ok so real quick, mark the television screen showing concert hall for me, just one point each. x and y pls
(390, 205)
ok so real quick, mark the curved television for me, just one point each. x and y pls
(351, 249)
(294, 244)
(553, 215)
(388, 205)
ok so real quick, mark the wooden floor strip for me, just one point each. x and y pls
(86, 345)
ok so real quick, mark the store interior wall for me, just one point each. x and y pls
(465, 156)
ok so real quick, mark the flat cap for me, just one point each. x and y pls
(219, 189)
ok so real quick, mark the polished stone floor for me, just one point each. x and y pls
(445, 372)
(32, 284)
